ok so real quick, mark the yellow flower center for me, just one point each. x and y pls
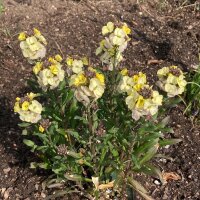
(25, 105)
(22, 36)
(140, 102)
(124, 72)
(80, 80)
(101, 78)
(54, 69)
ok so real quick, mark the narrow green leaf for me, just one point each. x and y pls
(168, 142)
(24, 124)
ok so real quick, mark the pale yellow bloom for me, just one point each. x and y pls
(78, 79)
(51, 77)
(58, 58)
(96, 87)
(126, 85)
(77, 66)
(124, 72)
(37, 68)
(31, 95)
(52, 60)
(36, 32)
(85, 61)
(17, 107)
(35, 107)
(69, 61)
(171, 80)
(108, 28)
(32, 48)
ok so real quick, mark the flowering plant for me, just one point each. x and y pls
(96, 125)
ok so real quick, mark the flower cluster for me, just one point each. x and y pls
(29, 110)
(87, 81)
(113, 45)
(171, 80)
(141, 99)
(33, 47)
(50, 76)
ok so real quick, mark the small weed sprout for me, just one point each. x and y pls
(97, 125)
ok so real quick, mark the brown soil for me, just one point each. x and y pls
(165, 31)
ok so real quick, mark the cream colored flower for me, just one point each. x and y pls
(171, 80)
(35, 107)
(29, 110)
(77, 66)
(126, 85)
(32, 48)
(51, 77)
(108, 28)
(78, 79)
(96, 87)
(83, 94)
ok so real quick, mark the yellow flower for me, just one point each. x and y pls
(31, 95)
(37, 32)
(108, 28)
(52, 60)
(41, 129)
(69, 61)
(124, 72)
(58, 58)
(22, 36)
(140, 102)
(101, 78)
(163, 72)
(37, 68)
(137, 87)
(54, 69)
(126, 29)
(17, 99)
(17, 107)
(80, 80)
(85, 61)
(25, 105)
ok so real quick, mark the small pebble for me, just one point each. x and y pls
(157, 182)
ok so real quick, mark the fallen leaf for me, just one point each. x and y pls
(154, 62)
(105, 186)
(167, 176)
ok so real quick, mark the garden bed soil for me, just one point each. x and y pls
(163, 33)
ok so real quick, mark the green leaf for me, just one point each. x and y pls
(43, 165)
(83, 119)
(24, 124)
(139, 188)
(149, 155)
(76, 135)
(25, 132)
(115, 152)
(165, 142)
(29, 143)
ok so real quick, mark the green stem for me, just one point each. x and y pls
(183, 100)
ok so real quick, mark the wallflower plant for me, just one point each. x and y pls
(95, 126)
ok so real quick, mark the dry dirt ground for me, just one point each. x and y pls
(167, 31)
